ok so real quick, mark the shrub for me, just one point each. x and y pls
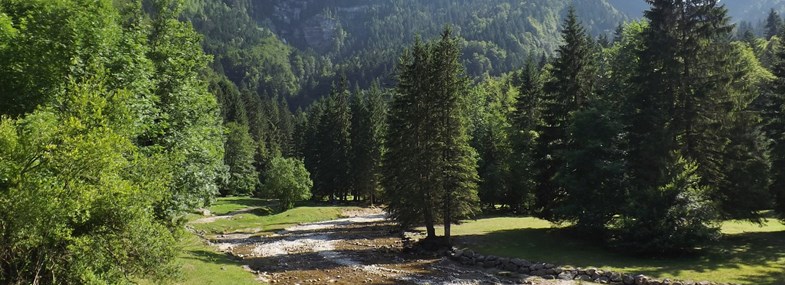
(287, 180)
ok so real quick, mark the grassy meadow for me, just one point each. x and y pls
(748, 253)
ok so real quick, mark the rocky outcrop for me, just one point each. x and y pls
(552, 271)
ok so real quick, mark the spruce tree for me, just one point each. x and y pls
(368, 115)
(773, 24)
(523, 137)
(568, 90)
(335, 144)
(774, 116)
(430, 169)
(457, 164)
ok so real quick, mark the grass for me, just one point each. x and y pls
(253, 223)
(202, 265)
(227, 205)
(748, 254)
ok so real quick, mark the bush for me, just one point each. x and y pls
(76, 197)
(287, 180)
(674, 218)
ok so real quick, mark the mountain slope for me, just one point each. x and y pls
(298, 47)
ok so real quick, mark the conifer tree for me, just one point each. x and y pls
(430, 169)
(773, 24)
(523, 137)
(568, 90)
(774, 116)
(368, 115)
(334, 145)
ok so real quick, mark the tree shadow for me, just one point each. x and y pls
(208, 256)
(247, 201)
(557, 245)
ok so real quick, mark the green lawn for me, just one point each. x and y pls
(748, 254)
(253, 223)
(201, 265)
(232, 204)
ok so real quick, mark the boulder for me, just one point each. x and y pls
(591, 271)
(457, 254)
(628, 279)
(641, 279)
(615, 277)
(602, 280)
(565, 276)
(521, 262)
(583, 277)
(541, 272)
(510, 267)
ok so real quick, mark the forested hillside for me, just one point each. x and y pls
(293, 41)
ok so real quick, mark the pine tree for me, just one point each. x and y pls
(239, 157)
(773, 24)
(568, 90)
(523, 137)
(774, 116)
(368, 115)
(430, 169)
(334, 159)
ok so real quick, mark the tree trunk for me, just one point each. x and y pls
(447, 218)
(429, 223)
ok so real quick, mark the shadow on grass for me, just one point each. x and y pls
(208, 256)
(556, 245)
(245, 201)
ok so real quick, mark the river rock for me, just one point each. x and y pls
(565, 276)
(583, 277)
(628, 279)
(641, 279)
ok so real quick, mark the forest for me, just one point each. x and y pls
(120, 118)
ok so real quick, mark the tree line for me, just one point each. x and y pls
(647, 140)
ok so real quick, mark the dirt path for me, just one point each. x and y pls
(360, 249)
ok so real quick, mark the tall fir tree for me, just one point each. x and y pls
(570, 86)
(774, 116)
(334, 159)
(773, 24)
(430, 169)
(368, 126)
(523, 137)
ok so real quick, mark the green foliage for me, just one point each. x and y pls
(188, 125)
(524, 120)
(329, 150)
(239, 157)
(568, 90)
(369, 113)
(593, 173)
(492, 103)
(429, 168)
(48, 41)
(773, 110)
(676, 217)
(76, 195)
(288, 181)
